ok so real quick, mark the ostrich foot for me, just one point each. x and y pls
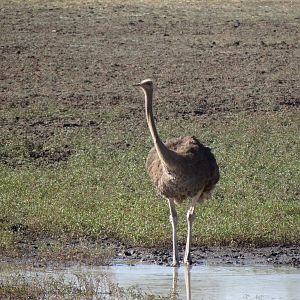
(187, 259)
(175, 263)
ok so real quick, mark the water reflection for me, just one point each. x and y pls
(187, 281)
(175, 281)
(199, 282)
(213, 282)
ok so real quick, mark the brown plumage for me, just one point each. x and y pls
(197, 169)
(180, 168)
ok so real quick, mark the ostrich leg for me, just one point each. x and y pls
(173, 220)
(190, 216)
(190, 219)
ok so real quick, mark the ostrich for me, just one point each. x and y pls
(180, 168)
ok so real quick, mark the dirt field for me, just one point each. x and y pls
(208, 58)
(63, 64)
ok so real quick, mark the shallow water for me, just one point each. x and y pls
(200, 282)
(216, 282)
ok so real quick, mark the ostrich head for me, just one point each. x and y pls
(146, 85)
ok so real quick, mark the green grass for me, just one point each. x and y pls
(103, 190)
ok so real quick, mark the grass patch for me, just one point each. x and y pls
(103, 190)
(77, 286)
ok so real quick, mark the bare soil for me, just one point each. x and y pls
(62, 63)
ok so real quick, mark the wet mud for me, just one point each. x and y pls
(106, 252)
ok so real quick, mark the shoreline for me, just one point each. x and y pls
(104, 253)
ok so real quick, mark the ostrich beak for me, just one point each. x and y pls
(136, 84)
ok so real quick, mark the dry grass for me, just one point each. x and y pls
(76, 286)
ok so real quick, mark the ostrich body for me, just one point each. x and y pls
(180, 168)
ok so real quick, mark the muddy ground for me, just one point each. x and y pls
(44, 253)
(279, 255)
(61, 63)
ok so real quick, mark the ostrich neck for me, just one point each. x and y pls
(167, 157)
